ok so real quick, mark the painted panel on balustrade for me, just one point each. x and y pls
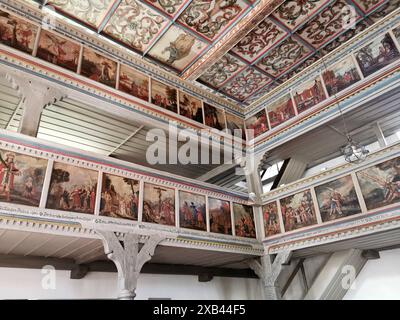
(298, 211)
(258, 124)
(21, 178)
(190, 107)
(192, 211)
(58, 50)
(164, 96)
(271, 219)
(377, 54)
(99, 68)
(220, 216)
(134, 83)
(17, 33)
(244, 220)
(235, 123)
(337, 199)
(214, 117)
(119, 197)
(341, 76)
(280, 110)
(72, 188)
(309, 94)
(159, 204)
(380, 184)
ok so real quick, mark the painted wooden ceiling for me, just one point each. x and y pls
(180, 33)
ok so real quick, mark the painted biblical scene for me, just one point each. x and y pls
(337, 199)
(134, 83)
(377, 54)
(380, 184)
(257, 124)
(21, 178)
(298, 211)
(190, 107)
(192, 211)
(159, 204)
(17, 33)
(271, 219)
(72, 188)
(119, 197)
(164, 96)
(280, 111)
(244, 220)
(308, 95)
(177, 48)
(214, 117)
(220, 216)
(235, 123)
(341, 76)
(58, 50)
(98, 68)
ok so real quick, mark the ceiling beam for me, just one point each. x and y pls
(79, 271)
(127, 139)
(216, 171)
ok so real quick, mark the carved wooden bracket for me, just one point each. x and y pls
(268, 271)
(128, 259)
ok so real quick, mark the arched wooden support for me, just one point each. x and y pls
(128, 259)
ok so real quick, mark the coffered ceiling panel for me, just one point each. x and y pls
(210, 18)
(135, 24)
(227, 67)
(263, 37)
(329, 23)
(91, 12)
(246, 83)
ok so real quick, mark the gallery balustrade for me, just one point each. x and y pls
(334, 204)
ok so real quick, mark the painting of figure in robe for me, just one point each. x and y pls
(271, 219)
(280, 111)
(244, 220)
(72, 188)
(164, 96)
(119, 197)
(235, 125)
(21, 178)
(298, 211)
(98, 68)
(340, 76)
(214, 117)
(192, 211)
(58, 50)
(220, 216)
(377, 54)
(190, 107)
(159, 204)
(337, 199)
(134, 83)
(17, 33)
(380, 184)
(309, 95)
(257, 124)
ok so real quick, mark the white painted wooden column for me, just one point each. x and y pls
(268, 271)
(128, 259)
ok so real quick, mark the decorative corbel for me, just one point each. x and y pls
(268, 271)
(128, 259)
